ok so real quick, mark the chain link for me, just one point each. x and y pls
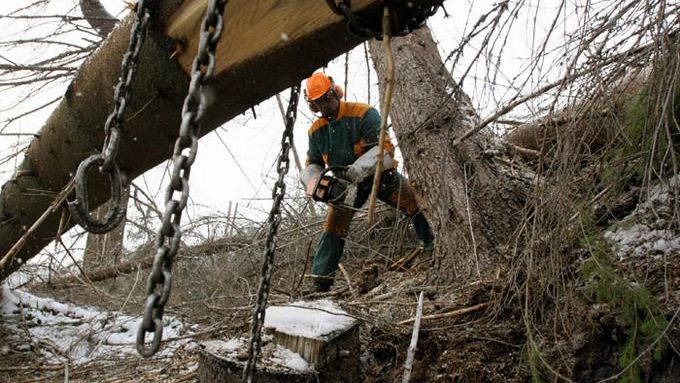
(113, 129)
(169, 235)
(364, 28)
(278, 193)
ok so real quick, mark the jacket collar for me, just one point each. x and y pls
(342, 111)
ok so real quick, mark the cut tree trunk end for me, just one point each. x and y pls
(303, 342)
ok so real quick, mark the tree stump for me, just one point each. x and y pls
(303, 342)
(223, 361)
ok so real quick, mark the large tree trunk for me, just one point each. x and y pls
(266, 48)
(464, 191)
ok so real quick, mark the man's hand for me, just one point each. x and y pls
(311, 184)
(310, 176)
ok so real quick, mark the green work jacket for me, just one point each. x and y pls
(341, 141)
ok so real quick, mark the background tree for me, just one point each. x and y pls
(459, 181)
(528, 214)
(98, 17)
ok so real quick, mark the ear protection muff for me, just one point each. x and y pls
(336, 89)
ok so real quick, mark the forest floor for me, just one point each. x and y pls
(90, 335)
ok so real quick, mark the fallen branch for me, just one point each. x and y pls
(411, 353)
(349, 281)
(401, 262)
(9, 257)
(448, 314)
(328, 294)
(386, 112)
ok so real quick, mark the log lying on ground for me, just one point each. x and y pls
(266, 48)
(145, 262)
(592, 123)
(541, 136)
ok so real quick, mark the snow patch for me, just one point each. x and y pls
(273, 357)
(649, 233)
(75, 333)
(290, 359)
(313, 319)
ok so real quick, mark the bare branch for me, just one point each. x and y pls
(98, 17)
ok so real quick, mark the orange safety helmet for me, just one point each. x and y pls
(319, 84)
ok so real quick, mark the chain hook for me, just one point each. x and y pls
(80, 209)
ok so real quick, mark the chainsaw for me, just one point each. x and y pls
(333, 190)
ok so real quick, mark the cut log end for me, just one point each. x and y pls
(304, 342)
(222, 361)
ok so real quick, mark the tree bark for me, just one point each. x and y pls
(268, 47)
(105, 250)
(464, 190)
(141, 262)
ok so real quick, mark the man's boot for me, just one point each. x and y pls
(317, 287)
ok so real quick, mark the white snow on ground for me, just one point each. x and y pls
(646, 231)
(272, 356)
(80, 334)
(313, 319)
(289, 359)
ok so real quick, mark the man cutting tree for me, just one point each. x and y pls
(344, 139)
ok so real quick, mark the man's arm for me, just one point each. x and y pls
(314, 165)
(364, 166)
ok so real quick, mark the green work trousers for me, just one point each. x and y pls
(395, 191)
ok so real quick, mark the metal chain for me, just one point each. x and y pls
(361, 27)
(169, 235)
(274, 220)
(113, 129)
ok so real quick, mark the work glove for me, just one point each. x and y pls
(310, 176)
(364, 166)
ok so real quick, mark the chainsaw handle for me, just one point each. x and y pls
(332, 169)
(324, 183)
